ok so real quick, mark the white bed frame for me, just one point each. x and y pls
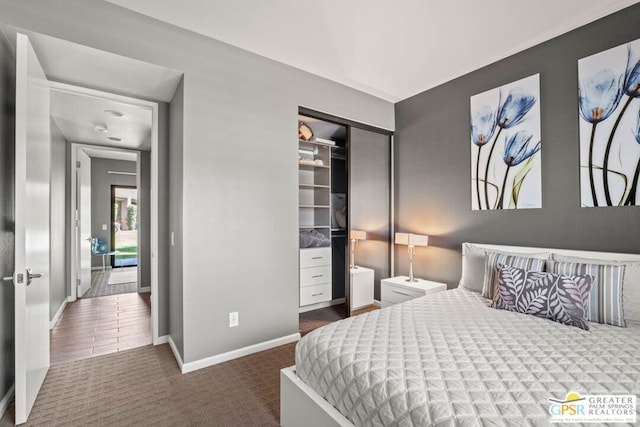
(300, 405)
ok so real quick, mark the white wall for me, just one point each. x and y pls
(239, 157)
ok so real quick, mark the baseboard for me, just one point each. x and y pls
(145, 289)
(377, 303)
(234, 354)
(321, 305)
(162, 340)
(56, 317)
(108, 267)
(6, 400)
(176, 354)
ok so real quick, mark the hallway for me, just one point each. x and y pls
(93, 326)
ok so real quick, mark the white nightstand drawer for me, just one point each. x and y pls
(396, 294)
(315, 257)
(315, 294)
(396, 289)
(315, 275)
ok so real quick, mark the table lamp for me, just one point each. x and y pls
(355, 235)
(411, 240)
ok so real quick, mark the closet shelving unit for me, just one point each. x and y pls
(314, 164)
(314, 210)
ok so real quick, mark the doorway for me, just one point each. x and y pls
(64, 61)
(124, 230)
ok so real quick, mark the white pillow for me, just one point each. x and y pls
(473, 265)
(630, 284)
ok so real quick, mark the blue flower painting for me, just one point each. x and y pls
(507, 173)
(608, 92)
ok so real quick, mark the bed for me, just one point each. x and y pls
(449, 359)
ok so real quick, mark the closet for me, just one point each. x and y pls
(344, 184)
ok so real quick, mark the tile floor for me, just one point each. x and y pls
(93, 326)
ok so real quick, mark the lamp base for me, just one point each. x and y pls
(411, 280)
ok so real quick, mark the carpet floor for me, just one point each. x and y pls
(100, 284)
(144, 387)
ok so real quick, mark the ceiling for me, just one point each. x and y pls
(111, 81)
(79, 115)
(390, 49)
(69, 62)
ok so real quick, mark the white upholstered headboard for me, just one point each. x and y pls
(631, 293)
(611, 256)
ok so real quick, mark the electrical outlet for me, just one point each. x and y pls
(233, 319)
(104, 227)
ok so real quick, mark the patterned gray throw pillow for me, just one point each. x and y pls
(558, 297)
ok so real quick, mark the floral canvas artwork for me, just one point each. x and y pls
(505, 147)
(608, 84)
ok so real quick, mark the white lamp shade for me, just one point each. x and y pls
(411, 239)
(358, 235)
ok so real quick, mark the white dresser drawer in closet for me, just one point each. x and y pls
(315, 275)
(315, 257)
(315, 294)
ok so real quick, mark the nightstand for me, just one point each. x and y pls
(361, 287)
(397, 289)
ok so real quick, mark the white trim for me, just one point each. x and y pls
(153, 106)
(6, 400)
(145, 290)
(319, 305)
(176, 354)
(234, 354)
(377, 303)
(56, 317)
(164, 339)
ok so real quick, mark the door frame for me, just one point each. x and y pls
(153, 106)
(113, 231)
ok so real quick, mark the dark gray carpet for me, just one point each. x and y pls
(144, 387)
(101, 288)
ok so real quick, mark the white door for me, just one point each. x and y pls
(84, 222)
(33, 146)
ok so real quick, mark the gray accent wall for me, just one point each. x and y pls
(7, 214)
(58, 283)
(239, 181)
(432, 166)
(101, 183)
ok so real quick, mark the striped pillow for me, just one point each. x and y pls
(492, 259)
(605, 301)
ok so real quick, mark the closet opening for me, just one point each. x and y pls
(331, 187)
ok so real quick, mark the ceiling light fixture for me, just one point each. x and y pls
(101, 128)
(114, 113)
(114, 138)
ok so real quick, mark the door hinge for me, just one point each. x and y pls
(78, 282)
(78, 165)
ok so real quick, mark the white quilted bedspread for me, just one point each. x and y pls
(450, 360)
